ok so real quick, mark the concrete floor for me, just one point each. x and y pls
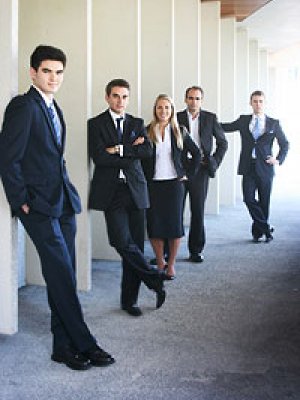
(229, 330)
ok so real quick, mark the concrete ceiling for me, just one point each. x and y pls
(276, 25)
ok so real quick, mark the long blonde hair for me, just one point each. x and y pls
(173, 122)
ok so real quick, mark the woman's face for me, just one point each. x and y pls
(163, 111)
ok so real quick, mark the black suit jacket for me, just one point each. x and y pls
(33, 169)
(179, 157)
(263, 145)
(209, 128)
(102, 134)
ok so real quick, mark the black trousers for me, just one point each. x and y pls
(126, 227)
(197, 189)
(54, 239)
(256, 194)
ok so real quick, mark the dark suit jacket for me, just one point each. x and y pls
(179, 157)
(209, 128)
(263, 146)
(102, 134)
(33, 169)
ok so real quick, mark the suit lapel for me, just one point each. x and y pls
(128, 131)
(185, 120)
(43, 107)
(111, 129)
(247, 122)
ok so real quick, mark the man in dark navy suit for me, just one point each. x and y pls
(40, 194)
(117, 144)
(207, 133)
(256, 165)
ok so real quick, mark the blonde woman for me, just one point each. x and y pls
(165, 174)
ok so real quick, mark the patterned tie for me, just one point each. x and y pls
(256, 131)
(119, 129)
(55, 121)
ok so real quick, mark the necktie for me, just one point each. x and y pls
(255, 131)
(119, 129)
(55, 121)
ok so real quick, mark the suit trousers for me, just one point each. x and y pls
(54, 239)
(197, 189)
(125, 228)
(257, 193)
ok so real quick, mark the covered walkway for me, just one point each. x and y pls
(230, 328)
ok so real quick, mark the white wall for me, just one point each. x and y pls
(8, 227)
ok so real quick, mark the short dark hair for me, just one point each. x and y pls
(42, 53)
(116, 82)
(257, 93)
(194, 88)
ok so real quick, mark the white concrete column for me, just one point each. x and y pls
(65, 25)
(242, 69)
(116, 54)
(227, 171)
(186, 48)
(263, 70)
(157, 52)
(210, 78)
(242, 87)
(8, 228)
(253, 65)
(187, 41)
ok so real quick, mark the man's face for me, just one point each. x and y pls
(48, 77)
(257, 103)
(118, 99)
(193, 100)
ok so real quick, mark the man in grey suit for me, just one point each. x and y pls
(256, 165)
(117, 142)
(205, 130)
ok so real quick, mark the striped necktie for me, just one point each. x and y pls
(56, 122)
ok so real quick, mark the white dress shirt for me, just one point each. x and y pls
(164, 166)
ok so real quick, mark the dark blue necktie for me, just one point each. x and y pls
(119, 129)
(56, 123)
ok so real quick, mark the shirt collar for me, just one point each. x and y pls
(260, 117)
(115, 115)
(190, 115)
(45, 98)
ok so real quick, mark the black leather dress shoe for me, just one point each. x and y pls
(196, 258)
(256, 239)
(133, 310)
(269, 236)
(160, 297)
(72, 359)
(98, 357)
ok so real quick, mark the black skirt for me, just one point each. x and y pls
(165, 215)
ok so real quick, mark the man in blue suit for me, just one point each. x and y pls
(40, 194)
(256, 165)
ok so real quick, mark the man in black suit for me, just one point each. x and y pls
(206, 133)
(117, 142)
(256, 165)
(41, 195)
